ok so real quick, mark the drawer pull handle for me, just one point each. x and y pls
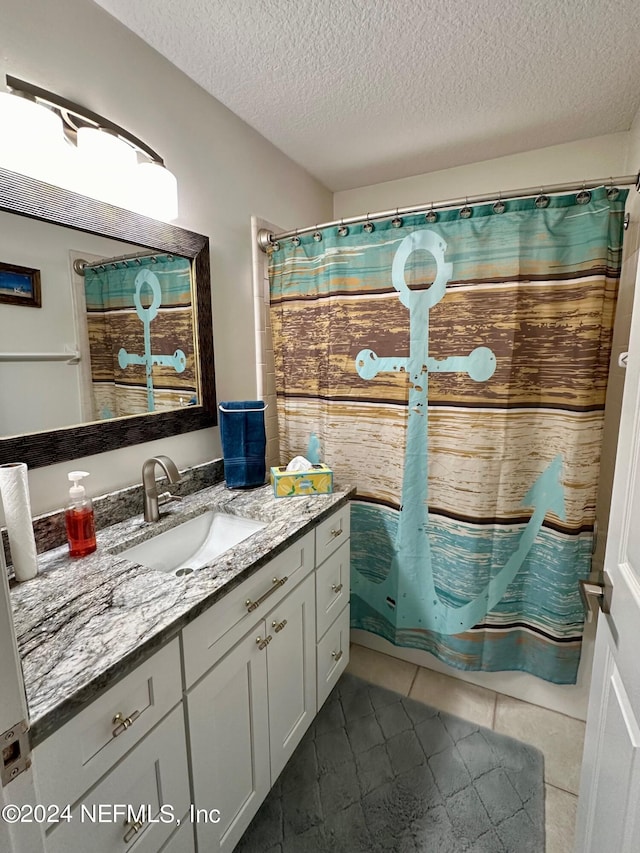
(279, 625)
(122, 723)
(335, 533)
(336, 587)
(262, 644)
(133, 830)
(336, 655)
(252, 605)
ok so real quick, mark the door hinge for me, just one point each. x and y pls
(16, 752)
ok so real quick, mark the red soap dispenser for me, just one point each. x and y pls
(79, 518)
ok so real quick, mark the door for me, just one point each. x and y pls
(608, 814)
(291, 672)
(229, 733)
(14, 837)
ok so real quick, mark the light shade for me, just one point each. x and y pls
(32, 141)
(106, 166)
(156, 192)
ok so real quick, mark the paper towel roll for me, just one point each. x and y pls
(14, 490)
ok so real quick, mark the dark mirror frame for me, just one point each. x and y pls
(28, 197)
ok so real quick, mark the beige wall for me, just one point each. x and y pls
(226, 173)
(574, 161)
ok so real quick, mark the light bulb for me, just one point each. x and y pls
(156, 192)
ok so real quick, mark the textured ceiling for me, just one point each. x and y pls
(364, 91)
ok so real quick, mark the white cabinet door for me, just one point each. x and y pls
(229, 733)
(291, 672)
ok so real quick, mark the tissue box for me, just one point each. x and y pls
(317, 480)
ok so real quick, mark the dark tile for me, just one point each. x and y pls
(393, 719)
(339, 790)
(433, 736)
(332, 750)
(468, 815)
(365, 733)
(348, 684)
(450, 772)
(499, 796)
(374, 769)
(405, 752)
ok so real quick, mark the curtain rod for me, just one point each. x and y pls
(80, 265)
(267, 240)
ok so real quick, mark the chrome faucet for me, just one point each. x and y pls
(153, 500)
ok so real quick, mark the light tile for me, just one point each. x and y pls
(560, 820)
(468, 701)
(380, 669)
(560, 738)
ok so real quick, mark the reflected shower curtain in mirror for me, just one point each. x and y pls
(455, 371)
(141, 335)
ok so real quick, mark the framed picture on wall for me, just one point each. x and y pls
(19, 285)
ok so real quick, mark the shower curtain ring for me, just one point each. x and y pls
(612, 192)
(465, 212)
(584, 196)
(295, 240)
(317, 235)
(396, 222)
(368, 225)
(431, 215)
(541, 201)
(499, 206)
(342, 230)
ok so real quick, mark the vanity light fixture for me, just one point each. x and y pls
(48, 137)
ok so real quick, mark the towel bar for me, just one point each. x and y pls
(239, 411)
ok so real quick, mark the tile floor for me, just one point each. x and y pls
(559, 738)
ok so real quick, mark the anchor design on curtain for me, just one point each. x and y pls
(178, 360)
(410, 582)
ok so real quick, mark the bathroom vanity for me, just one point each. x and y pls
(181, 696)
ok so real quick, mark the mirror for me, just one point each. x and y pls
(119, 355)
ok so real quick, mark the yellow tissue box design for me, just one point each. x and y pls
(315, 481)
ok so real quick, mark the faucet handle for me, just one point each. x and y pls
(167, 497)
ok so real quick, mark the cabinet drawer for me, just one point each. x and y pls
(182, 841)
(332, 532)
(152, 775)
(332, 587)
(72, 759)
(217, 630)
(333, 655)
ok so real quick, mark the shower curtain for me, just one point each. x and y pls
(141, 336)
(454, 367)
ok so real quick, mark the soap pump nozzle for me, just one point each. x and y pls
(77, 492)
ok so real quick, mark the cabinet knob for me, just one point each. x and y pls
(277, 583)
(335, 533)
(336, 587)
(262, 644)
(133, 830)
(336, 655)
(278, 625)
(122, 723)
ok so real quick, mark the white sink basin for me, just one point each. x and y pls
(194, 543)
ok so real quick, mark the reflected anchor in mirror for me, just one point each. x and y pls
(178, 360)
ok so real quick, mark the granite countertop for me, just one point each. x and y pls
(83, 623)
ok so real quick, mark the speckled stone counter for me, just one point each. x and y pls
(84, 623)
